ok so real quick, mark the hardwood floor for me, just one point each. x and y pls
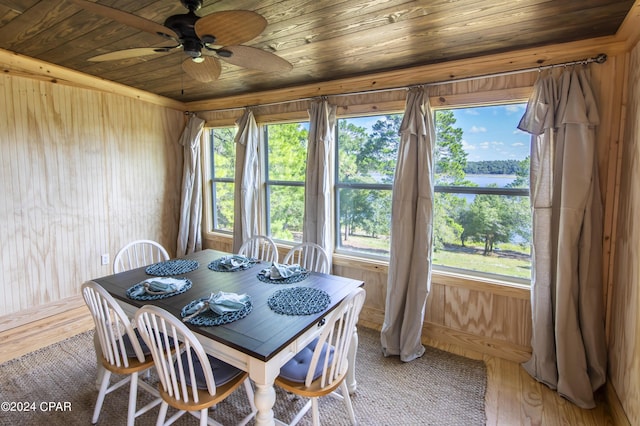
(513, 397)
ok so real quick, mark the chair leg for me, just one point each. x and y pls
(249, 390)
(347, 401)
(315, 411)
(204, 416)
(250, 396)
(162, 414)
(106, 377)
(133, 396)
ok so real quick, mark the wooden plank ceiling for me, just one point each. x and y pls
(323, 39)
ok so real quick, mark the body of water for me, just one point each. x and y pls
(485, 180)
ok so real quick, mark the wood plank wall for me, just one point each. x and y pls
(624, 321)
(82, 172)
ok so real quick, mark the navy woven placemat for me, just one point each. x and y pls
(146, 296)
(216, 265)
(290, 280)
(299, 301)
(209, 318)
(172, 267)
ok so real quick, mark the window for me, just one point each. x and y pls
(223, 161)
(482, 216)
(366, 158)
(482, 219)
(286, 149)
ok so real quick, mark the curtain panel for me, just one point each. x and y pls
(409, 277)
(318, 186)
(247, 177)
(190, 228)
(568, 340)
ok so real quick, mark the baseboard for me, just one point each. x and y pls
(374, 318)
(615, 406)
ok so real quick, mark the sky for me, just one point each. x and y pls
(489, 133)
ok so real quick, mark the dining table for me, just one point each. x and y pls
(259, 341)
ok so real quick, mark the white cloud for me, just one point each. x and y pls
(477, 129)
(467, 146)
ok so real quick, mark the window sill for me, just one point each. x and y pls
(442, 277)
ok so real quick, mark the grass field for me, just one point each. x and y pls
(510, 260)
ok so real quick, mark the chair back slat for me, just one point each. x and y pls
(137, 254)
(112, 325)
(260, 247)
(170, 342)
(310, 256)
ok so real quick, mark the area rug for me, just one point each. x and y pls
(56, 386)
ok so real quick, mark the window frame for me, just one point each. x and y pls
(268, 183)
(213, 180)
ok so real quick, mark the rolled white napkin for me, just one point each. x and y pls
(220, 303)
(234, 262)
(279, 271)
(160, 285)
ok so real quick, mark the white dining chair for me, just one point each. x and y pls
(139, 253)
(320, 368)
(310, 256)
(190, 379)
(260, 247)
(121, 351)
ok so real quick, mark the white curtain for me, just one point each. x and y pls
(189, 231)
(318, 182)
(247, 177)
(409, 277)
(568, 341)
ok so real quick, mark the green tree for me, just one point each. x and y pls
(223, 167)
(450, 158)
(287, 154)
(379, 154)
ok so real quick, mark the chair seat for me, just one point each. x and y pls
(223, 373)
(296, 369)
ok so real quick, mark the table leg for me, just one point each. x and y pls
(265, 397)
(351, 357)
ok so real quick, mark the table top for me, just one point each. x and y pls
(262, 333)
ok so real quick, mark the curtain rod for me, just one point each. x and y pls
(599, 59)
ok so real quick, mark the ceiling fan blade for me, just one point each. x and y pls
(131, 53)
(256, 59)
(125, 18)
(206, 71)
(231, 26)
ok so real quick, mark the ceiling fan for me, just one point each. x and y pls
(205, 40)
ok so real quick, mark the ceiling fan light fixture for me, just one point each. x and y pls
(198, 59)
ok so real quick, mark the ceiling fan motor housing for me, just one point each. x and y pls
(183, 26)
